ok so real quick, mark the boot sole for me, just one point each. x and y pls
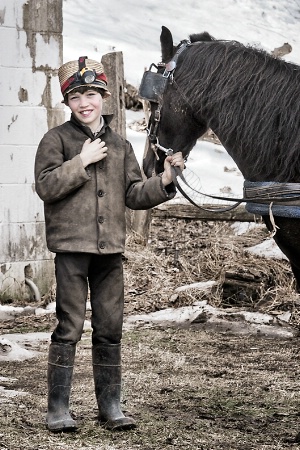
(119, 424)
(62, 430)
(67, 427)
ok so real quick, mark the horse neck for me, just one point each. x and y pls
(235, 149)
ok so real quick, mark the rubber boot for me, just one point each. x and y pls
(60, 371)
(107, 377)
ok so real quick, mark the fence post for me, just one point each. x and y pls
(114, 69)
(136, 221)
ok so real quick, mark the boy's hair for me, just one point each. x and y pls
(82, 90)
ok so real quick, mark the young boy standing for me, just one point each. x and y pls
(87, 174)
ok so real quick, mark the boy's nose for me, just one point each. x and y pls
(83, 102)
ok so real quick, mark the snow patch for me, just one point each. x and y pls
(202, 285)
(240, 228)
(209, 318)
(12, 351)
(267, 249)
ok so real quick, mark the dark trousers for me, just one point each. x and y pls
(104, 276)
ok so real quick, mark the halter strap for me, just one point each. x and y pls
(171, 65)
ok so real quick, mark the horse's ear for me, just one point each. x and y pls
(166, 42)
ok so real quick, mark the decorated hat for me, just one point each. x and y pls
(84, 72)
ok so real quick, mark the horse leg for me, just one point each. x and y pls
(296, 272)
(287, 238)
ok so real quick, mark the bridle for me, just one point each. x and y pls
(158, 83)
(152, 88)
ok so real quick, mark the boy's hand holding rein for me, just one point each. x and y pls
(174, 160)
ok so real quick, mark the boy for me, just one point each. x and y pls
(87, 174)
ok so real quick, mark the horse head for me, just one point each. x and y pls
(171, 116)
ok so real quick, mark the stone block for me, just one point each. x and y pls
(20, 204)
(17, 164)
(22, 125)
(23, 242)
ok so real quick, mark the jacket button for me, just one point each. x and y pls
(100, 219)
(102, 245)
(100, 193)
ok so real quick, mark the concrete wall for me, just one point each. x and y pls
(30, 53)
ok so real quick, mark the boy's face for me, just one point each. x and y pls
(86, 107)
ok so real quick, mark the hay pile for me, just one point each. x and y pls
(182, 252)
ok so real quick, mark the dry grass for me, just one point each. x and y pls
(186, 388)
(183, 252)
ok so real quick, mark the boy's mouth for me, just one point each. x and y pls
(86, 113)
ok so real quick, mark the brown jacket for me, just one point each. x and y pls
(85, 207)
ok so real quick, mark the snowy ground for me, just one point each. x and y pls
(18, 347)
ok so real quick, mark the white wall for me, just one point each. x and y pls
(30, 54)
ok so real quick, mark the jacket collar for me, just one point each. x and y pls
(86, 130)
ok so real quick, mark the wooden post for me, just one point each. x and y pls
(114, 70)
(141, 220)
(136, 221)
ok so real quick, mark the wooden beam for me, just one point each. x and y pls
(186, 211)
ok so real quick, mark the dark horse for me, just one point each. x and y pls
(248, 98)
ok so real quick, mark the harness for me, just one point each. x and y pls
(152, 88)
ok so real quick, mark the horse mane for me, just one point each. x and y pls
(249, 95)
(204, 37)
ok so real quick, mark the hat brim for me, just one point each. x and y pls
(96, 83)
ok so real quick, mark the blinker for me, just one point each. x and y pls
(152, 85)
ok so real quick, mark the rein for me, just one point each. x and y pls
(176, 172)
(291, 188)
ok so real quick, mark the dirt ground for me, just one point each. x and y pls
(187, 388)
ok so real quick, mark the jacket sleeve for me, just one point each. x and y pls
(55, 178)
(143, 194)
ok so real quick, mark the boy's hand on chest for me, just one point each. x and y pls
(93, 151)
